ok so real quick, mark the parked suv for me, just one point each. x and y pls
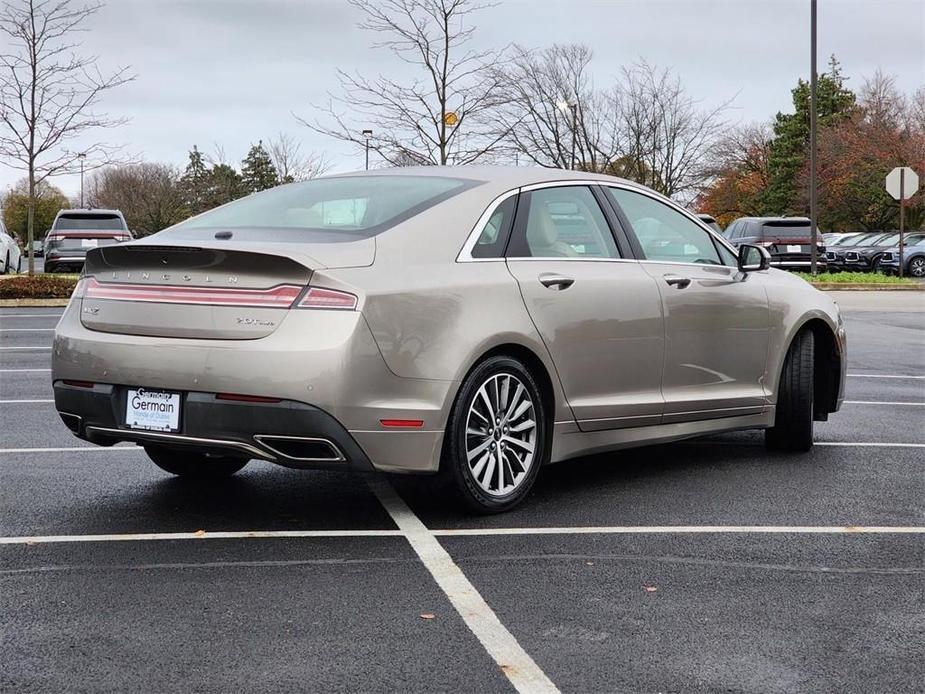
(913, 257)
(74, 232)
(787, 239)
(865, 256)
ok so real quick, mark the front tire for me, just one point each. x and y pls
(793, 421)
(496, 438)
(917, 267)
(194, 465)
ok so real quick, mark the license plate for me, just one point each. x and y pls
(89, 243)
(152, 410)
(794, 249)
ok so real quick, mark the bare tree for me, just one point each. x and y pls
(48, 93)
(409, 117)
(290, 162)
(148, 194)
(668, 136)
(533, 123)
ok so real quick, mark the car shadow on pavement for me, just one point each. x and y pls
(629, 486)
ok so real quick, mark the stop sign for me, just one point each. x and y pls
(909, 180)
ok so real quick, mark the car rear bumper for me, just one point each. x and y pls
(292, 434)
(323, 366)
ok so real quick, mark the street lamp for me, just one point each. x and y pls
(565, 106)
(81, 156)
(367, 134)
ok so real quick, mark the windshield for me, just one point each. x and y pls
(353, 206)
(857, 240)
(85, 222)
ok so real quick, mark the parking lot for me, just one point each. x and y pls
(702, 566)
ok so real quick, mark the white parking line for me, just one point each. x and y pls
(198, 535)
(22, 401)
(479, 532)
(73, 449)
(690, 530)
(882, 376)
(872, 444)
(514, 661)
(22, 371)
(27, 330)
(27, 348)
(884, 402)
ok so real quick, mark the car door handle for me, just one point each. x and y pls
(557, 282)
(679, 282)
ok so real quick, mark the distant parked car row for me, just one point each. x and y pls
(789, 241)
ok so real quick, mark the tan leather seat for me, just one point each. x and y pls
(543, 236)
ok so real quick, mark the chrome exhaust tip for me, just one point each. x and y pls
(302, 448)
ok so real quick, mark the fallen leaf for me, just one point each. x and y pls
(589, 563)
(200, 533)
(650, 589)
(427, 615)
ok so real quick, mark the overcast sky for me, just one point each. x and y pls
(231, 72)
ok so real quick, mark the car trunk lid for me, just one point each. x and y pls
(222, 291)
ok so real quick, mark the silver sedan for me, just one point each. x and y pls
(472, 323)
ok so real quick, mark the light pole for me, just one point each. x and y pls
(565, 106)
(367, 134)
(81, 156)
(814, 231)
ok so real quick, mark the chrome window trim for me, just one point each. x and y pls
(572, 259)
(465, 253)
(673, 205)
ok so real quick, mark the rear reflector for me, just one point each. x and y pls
(402, 423)
(317, 297)
(78, 384)
(245, 398)
(281, 296)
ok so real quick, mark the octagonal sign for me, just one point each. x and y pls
(910, 182)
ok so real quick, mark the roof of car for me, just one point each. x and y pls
(765, 220)
(88, 210)
(514, 175)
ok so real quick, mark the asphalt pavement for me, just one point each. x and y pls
(703, 566)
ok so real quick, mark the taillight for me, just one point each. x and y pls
(318, 297)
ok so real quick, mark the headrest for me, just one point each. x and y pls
(541, 231)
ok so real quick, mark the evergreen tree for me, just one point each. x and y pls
(225, 185)
(789, 150)
(257, 170)
(194, 184)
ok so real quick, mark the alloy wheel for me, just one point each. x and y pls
(501, 434)
(917, 267)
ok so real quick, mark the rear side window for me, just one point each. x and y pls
(89, 222)
(497, 229)
(354, 206)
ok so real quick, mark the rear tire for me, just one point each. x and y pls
(793, 422)
(496, 438)
(194, 465)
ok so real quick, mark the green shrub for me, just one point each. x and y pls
(854, 278)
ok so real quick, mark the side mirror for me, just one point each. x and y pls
(753, 258)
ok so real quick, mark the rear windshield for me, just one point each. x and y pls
(89, 222)
(796, 227)
(350, 206)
